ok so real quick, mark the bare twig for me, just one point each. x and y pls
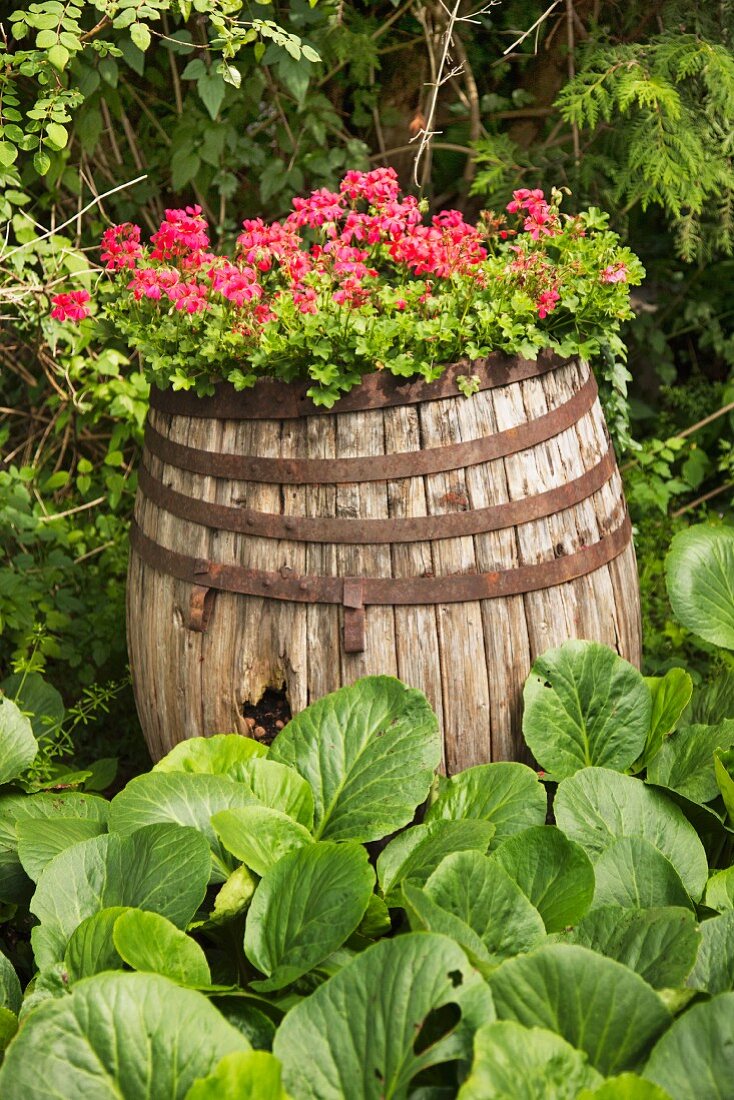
(571, 61)
(536, 25)
(702, 499)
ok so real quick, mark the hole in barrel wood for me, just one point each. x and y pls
(266, 718)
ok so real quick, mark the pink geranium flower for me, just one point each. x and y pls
(70, 306)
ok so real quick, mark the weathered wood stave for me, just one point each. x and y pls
(470, 657)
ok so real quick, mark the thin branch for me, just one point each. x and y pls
(541, 19)
(702, 500)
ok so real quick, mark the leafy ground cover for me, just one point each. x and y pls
(328, 918)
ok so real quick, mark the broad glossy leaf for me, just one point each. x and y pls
(39, 839)
(597, 806)
(552, 871)
(147, 941)
(259, 836)
(596, 1004)
(355, 1037)
(369, 752)
(425, 915)
(694, 1060)
(585, 705)
(628, 1086)
(713, 702)
(223, 754)
(720, 890)
(686, 760)
(714, 969)
(512, 1062)
(164, 868)
(671, 694)
(37, 699)
(724, 771)
(416, 853)
(699, 571)
(18, 746)
(255, 1075)
(658, 944)
(509, 795)
(280, 787)
(118, 1037)
(8, 1028)
(91, 949)
(183, 799)
(635, 874)
(11, 996)
(234, 896)
(306, 906)
(481, 893)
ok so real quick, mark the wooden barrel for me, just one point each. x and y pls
(410, 531)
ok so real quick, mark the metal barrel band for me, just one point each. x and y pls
(432, 460)
(455, 588)
(324, 529)
(273, 400)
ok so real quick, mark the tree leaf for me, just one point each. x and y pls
(356, 1035)
(585, 705)
(670, 694)
(414, 854)
(140, 35)
(714, 969)
(255, 1075)
(369, 752)
(57, 134)
(164, 868)
(512, 1062)
(694, 1060)
(633, 873)
(18, 746)
(223, 754)
(306, 906)
(597, 806)
(40, 840)
(211, 88)
(552, 871)
(149, 942)
(658, 944)
(685, 763)
(699, 572)
(118, 1035)
(596, 1004)
(259, 836)
(509, 795)
(190, 800)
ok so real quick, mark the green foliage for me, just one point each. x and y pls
(561, 954)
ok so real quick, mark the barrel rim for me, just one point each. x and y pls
(271, 399)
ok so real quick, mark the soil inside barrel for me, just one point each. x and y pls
(268, 717)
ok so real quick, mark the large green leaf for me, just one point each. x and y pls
(259, 835)
(164, 868)
(714, 969)
(147, 941)
(686, 761)
(512, 1062)
(552, 871)
(585, 705)
(509, 795)
(11, 996)
(597, 806)
(628, 1086)
(255, 1075)
(658, 944)
(694, 1060)
(280, 787)
(699, 571)
(713, 702)
(40, 839)
(304, 908)
(596, 1004)
(91, 948)
(481, 893)
(425, 915)
(720, 890)
(185, 799)
(360, 1036)
(223, 754)
(369, 752)
(18, 746)
(38, 700)
(634, 874)
(724, 771)
(671, 694)
(417, 852)
(118, 1037)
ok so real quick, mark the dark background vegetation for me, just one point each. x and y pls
(629, 105)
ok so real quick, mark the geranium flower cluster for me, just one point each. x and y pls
(363, 249)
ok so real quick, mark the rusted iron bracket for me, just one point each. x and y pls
(353, 601)
(336, 471)
(271, 400)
